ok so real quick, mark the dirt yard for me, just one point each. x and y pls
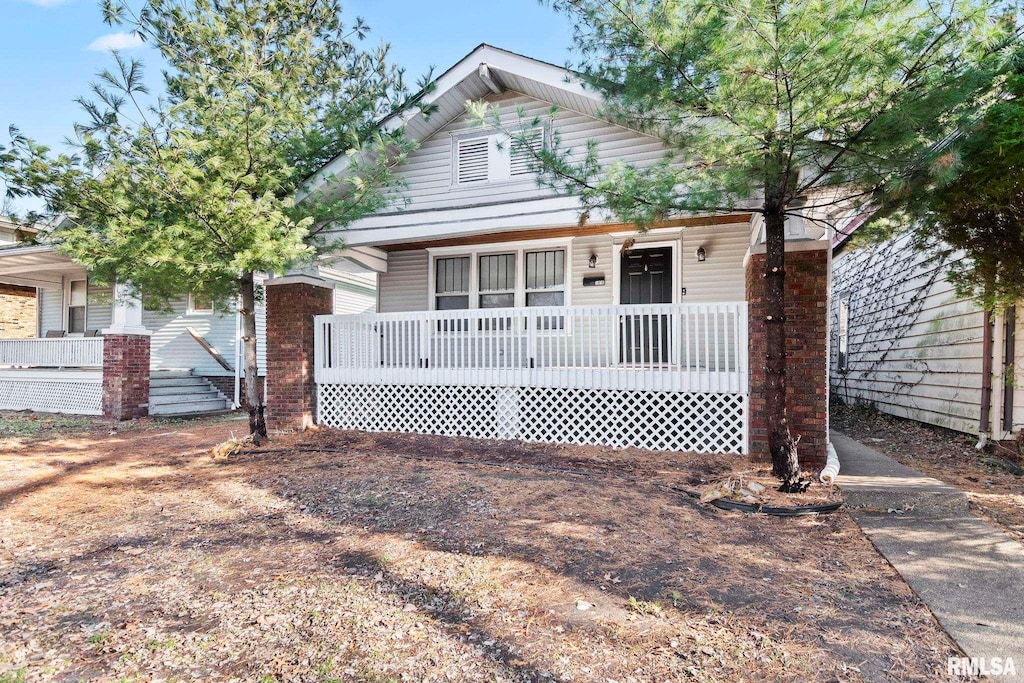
(136, 555)
(995, 493)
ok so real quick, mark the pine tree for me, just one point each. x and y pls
(194, 190)
(802, 108)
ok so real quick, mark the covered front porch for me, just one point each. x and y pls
(621, 375)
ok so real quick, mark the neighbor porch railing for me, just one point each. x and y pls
(655, 347)
(65, 352)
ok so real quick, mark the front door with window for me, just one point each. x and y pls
(646, 278)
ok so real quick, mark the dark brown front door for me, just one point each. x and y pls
(646, 279)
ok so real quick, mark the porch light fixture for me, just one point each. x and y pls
(702, 254)
(592, 261)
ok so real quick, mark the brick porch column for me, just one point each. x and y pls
(292, 302)
(806, 346)
(125, 359)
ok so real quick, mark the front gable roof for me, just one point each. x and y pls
(485, 70)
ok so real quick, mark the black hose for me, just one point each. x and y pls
(721, 503)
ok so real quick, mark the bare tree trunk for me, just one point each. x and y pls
(253, 395)
(781, 444)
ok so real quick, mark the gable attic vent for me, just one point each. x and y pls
(473, 159)
(522, 159)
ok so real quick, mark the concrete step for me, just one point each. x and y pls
(190, 408)
(178, 399)
(169, 374)
(161, 390)
(177, 382)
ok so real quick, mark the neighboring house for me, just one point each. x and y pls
(500, 316)
(52, 320)
(907, 344)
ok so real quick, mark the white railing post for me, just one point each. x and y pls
(650, 347)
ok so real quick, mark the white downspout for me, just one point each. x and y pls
(238, 340)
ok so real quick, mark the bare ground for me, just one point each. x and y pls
(995, 493)
(138, 556)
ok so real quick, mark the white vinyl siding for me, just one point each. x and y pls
(101, 301)
(348, 301)
(430, 171)
(406, 285)
(51, 309)
(171, 345)
(915, 347)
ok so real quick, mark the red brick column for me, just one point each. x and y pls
(292, 302)
(125, 376)
(806, 347)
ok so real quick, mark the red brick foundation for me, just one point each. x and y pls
(807, 362)
(291, 389)
(125, 376)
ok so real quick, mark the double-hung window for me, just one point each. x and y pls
(489, 277)
(451, 283)
(78, 293)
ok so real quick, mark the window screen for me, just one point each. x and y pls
(545, 278)
(497, 280)
(451, 283)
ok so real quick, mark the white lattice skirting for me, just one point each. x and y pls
(74, 397)
(670, 421)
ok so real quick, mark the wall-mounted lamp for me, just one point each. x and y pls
(702, 255)
(592, 261)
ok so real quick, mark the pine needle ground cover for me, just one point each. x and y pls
(138, 555)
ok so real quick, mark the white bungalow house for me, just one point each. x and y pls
(500, 316)
(52, 323)
(907, 344)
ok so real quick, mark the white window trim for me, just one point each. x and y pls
(519, 248)
(66, 306)
(677, 250)
(197, 311)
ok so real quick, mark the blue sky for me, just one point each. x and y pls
(51, 49)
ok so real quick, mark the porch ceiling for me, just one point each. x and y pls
(36, 266)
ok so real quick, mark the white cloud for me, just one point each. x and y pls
(115, 41)
(47, 3)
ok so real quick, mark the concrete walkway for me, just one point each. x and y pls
(969, 572)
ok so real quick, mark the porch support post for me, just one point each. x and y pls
(125, 359)
(292, 303)
(807, 284)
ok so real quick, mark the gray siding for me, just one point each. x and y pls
(348, 300)
(51, 311)
(404, 287)
(98, 307)
(428, 170)
(915, 347)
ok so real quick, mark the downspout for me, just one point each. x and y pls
(1009, 356)
(984, 422)
(238, 354)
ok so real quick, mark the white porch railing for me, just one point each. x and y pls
(654, 347)
(65, 352)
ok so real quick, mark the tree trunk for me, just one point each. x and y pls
(253, 395)
(781, 444)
